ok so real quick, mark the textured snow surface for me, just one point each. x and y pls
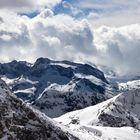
(135, 84)
(87, 132)
(121, 110)
(115, 119)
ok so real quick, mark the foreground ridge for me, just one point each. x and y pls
(19, 121)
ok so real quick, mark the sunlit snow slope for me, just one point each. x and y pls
(117, 118)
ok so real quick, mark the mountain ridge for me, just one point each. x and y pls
(20, 121)
(121, 110)
(83, 84)
(117, 118)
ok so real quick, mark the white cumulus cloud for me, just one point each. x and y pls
(63, 37)
(47, 35)
(119, 48)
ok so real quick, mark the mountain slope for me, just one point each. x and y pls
(130, 85)
(19, 121)
(121, 110)
(56, 87)
(117, 118)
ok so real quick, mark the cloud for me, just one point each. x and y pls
(107, 5)
(73, 10)
(64, 37)
(114, 19)
(27, 5)
(46, 13)
(45, 35)
(114, 13)
(118, 48)
(59, 39)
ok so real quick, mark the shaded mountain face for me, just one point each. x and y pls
(56, 87)
(19, 121)
(119, 111)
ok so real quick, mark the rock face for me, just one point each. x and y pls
(119, 111)
(19, 121)
(56, 87)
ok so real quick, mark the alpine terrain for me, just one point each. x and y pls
(56, 87)
(117, 118)
(84, 104)
(18, 121)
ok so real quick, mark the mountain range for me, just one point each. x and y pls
(63, 100)
(56, 87)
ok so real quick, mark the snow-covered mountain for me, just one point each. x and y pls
(130, 85)
(118, 116)
(18, 121)
(121, 110)
(56, 87)
(124, 83)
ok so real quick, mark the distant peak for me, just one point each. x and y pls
(41, 59)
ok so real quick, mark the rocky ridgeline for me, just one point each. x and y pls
(19, 121)
(56, 87)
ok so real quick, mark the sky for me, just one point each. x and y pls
(101, 32)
